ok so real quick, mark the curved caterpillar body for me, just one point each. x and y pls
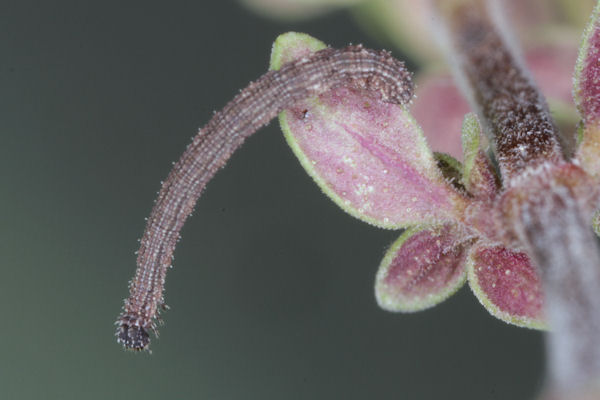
(252, 108)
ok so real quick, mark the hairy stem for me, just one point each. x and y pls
(556, 228)
(550, 213)
(251, 109)
(515, 113)
(548, 203)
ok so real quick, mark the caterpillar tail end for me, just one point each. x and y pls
(131, 334)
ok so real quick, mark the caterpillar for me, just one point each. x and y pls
(255, 106)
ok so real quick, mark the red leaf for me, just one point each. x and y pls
(421, 269)
(507, 285)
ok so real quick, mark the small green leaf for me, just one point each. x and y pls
(451, 168)
(471, 132)
(422, 268)
(479, 176)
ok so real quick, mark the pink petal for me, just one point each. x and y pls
(369, 156)
(552, 66)
(421, 269)
(507, 285)
(528, 16)
(440, 107)
(587, 72)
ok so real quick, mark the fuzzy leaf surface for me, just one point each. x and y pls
(586, 90)
(367, 155)
(507, 285)
(422, 268)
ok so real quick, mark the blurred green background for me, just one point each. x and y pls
(271, 295)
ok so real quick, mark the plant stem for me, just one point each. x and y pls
(515, 114)
(548, 203)
(556, 229)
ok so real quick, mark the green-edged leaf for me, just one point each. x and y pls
(422, 268)
(292, 45)
(507, 285)
(586, 92)
(369, 156)
(596, 222)
(479, 176)
(451, 168)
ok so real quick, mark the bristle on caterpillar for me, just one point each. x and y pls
(256, 105)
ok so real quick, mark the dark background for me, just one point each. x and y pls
(272, 292)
